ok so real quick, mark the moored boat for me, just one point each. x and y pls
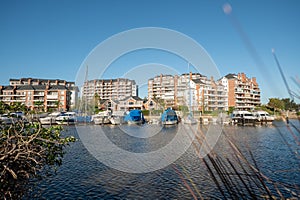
(134, 117)
(263, 117)
(5, 119)
(50, 119)
(102, 117)
(169, 117)
(117, 118)
(243, 117)
(67, 118)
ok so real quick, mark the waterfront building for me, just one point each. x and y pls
(42, 94)
(243, 92)
(126, 104)
(190, 89)
(163, 87)
(152, 104)
(131, 103)
(210, 95)
(107, 89)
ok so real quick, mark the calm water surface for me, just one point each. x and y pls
(81, 176)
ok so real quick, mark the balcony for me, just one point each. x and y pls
(55, 97)
(39, 94)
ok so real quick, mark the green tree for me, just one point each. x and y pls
(230, 110)
(3, 107)
(289, 104)
(276, 104)
(39, 105)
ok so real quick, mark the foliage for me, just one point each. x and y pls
(264, 108)
(289, 104)
(276, 103)
(283, 104)
(156, 112)
(39, 104)
(13, 107)
(145, 112)
(27, 148)
(183, 108)
(230, 110)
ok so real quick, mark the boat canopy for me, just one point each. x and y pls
(134, 115)
(169, 115)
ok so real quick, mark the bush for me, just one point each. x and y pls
(26, 150)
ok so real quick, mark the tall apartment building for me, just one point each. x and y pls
(191, 89)
(116, 89)
(243, 92)
(44, 94)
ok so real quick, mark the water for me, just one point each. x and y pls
(81, 176)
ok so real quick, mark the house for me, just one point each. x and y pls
(130, 103)
(152, 104)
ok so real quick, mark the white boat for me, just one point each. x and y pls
(66, 118)
(263, 116)
(243, 117)
(102, 117)
(154, 121)
(117, 117)
(50, 119)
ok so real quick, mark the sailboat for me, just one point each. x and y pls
(190, 118)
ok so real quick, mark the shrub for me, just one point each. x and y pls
(26, 150)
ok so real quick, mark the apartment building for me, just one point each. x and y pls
(192, 89)
(243, 92)
(210, 95)
(116, 89)
(42, 94)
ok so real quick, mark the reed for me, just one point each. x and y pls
(237, 176)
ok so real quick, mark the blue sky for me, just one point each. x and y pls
(52, 38)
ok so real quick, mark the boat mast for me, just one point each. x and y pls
(85, 97)
(190, 92)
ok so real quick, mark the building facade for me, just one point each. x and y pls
(243, 92)
(42, 94)
(106, 89)
(191, 89)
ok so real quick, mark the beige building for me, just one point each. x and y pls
(43, 94)
(106, 89)
(191, 89)
(126, 104)
(243, 92)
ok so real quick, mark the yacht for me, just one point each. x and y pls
(263, 117)
(243, 117)
(66, 118)
(50, 119)
(102, 117)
